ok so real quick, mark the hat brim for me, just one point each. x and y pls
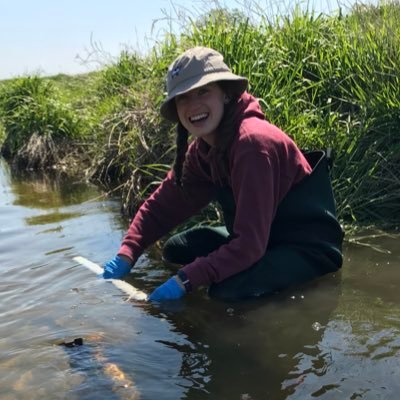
(168, 108)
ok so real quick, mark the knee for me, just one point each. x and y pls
(177, 251)
(330, 260)
(170, 252)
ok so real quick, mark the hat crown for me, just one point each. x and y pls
(194, 63)
(197, 67)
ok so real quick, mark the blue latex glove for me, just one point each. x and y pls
(116, 268)
(169, 290)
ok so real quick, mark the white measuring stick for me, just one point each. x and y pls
(127, 288)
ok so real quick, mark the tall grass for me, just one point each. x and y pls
(2, 134)
(136, 150)
(327, 80)
(34, 119)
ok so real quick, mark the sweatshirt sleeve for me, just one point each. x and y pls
(166, 208)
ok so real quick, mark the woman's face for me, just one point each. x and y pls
(200, 110)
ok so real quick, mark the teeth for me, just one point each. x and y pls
(198, 117)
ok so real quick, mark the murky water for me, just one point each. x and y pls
(337, 338)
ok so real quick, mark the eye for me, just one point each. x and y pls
(203, 90)
(181, 98)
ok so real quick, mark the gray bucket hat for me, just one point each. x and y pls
(194, 68)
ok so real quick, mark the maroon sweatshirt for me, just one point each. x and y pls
(264, 164)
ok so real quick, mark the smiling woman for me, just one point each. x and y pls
(280, 224)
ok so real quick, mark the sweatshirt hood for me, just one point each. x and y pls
(247, 107)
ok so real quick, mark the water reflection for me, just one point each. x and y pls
(48, 190)
(258, 349)
(50, 218)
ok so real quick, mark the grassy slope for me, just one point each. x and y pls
(327, 81)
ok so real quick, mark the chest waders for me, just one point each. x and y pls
(305, 239)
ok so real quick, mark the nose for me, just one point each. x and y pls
(190, 107)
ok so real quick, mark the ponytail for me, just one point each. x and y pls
(181, 148)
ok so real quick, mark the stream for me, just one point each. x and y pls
(67, 334)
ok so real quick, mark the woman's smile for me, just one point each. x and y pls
(198, 118)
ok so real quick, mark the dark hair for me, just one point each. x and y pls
(227, 129)
(181, 148)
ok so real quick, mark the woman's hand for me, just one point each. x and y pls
(172, 289)
(116, 268)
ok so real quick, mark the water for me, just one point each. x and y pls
(336, 338)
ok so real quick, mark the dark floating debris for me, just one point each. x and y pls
(75, 342)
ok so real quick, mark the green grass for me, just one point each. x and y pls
(31, 106)
(328, 81)
(2, 134)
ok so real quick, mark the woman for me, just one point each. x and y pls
(278, 206)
